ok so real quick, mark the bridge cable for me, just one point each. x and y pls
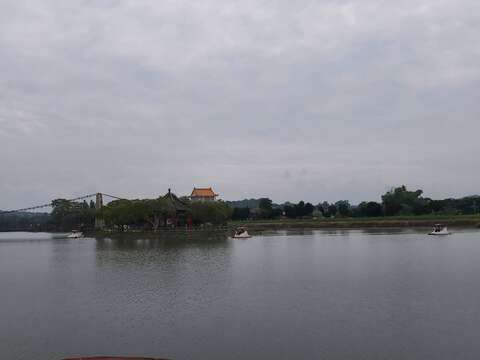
(50, 204)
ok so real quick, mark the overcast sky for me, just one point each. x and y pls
(314, 100)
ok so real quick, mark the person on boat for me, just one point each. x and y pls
(240, 231)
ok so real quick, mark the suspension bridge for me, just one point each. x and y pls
(98, 203)
(99, 222)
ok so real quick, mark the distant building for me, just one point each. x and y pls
(203, 194)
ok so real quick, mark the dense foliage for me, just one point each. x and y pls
(241, 213)
(24, 221)
(396, 202)
(216, 213)
(299, 210)
(144, 214)
(140, 213)
(156, 213)
(242, 204)
(152, 214)
(67, 215)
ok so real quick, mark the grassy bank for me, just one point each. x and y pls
(324, 223)
(394, 221)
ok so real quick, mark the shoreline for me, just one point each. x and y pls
(311, 224)
(273, 225)
(358, 224)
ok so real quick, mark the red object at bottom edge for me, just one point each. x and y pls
(113, 358)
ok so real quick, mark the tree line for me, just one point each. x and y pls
(153, 214)
(142, 214)
(65, 215)
(398, 201)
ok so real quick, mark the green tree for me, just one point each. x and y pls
(68, 214)
(400, 200)
(240, 213)
(343, 207)
(214, 212)
(369, 209)
(332, 210)
(308, 209)
(299, 210)
(156, 211)
(266, 206)
(123, 212)
(324, 208)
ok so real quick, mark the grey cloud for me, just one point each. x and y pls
(133, 97)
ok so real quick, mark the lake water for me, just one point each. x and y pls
(384, 294)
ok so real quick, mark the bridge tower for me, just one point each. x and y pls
(99, 222)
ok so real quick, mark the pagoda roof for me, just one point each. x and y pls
(176, 202)
(203, 192)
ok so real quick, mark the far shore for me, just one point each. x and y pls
(465, 221)
(360, 223)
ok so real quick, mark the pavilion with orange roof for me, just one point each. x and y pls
(203, 194)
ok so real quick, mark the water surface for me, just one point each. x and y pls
(346, 294)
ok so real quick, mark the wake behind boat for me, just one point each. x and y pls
(440, 229)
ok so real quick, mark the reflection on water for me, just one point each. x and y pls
(25, 236)
(333, 294)
(344, 231)
(162, 241)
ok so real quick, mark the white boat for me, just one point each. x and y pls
(75, 234)
(440, 229)
(241, 233)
